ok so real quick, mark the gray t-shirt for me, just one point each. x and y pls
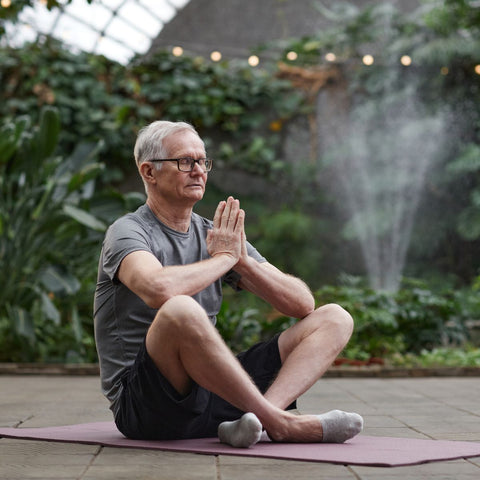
(122, 318)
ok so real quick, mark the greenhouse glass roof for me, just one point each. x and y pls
(117, 29)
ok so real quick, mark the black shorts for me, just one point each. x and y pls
(151, 409)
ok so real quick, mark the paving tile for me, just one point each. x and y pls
(118, 456)
(21, 476)
(460, 436)
(442, 408)
(10, 420)
(395, 432)
(382, 421)
(26, 459)
(241, 468)
(10, 446)
(144, 472)
(126, 463)
(32, 466)
(455, 470)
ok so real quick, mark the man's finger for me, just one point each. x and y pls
(239, 226)
(227, 213)
(218, 214)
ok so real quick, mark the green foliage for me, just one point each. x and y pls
(285, 238)
(428, 319)
(441, 38)
(102, 100)
(11, 12)
(240, 328)
(81, 87)
(467, 356)
(245, 320)
(225, 97)
(48, 244)
(243, 114)
(50, 235)
(414, 327)
(376, 331)
(410, 320)
(454, 15)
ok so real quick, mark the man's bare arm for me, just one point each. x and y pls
(142, 273)
(286, 293)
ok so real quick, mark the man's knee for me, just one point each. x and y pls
(338, 319)
(177, 327)
(181, 307)
(180, 313)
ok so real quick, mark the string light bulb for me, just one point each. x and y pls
(216, 56)
(406, 60)
(177, 51)
(292, 56)
(477, 69)
(368, 60)
(253, 60)
(330, 57)
(6, 3)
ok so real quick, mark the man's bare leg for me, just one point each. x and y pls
(184, 345)
(307, 349)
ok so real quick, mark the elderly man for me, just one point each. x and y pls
(164, 367)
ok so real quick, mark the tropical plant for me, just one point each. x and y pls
(49, 242)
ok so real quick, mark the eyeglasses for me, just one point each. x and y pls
(187, 164)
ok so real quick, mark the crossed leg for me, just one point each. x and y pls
(184, 345)
(307, 349)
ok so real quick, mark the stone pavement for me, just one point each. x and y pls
(435, 408)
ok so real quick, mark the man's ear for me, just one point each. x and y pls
(146, 170)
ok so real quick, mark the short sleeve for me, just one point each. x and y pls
(123, 237)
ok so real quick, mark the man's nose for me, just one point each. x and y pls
(197, 169)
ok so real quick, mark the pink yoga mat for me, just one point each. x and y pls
(361, 450)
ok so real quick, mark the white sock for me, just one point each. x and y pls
(242, 433)
(339, 426)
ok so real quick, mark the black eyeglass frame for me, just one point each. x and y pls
(208, 162)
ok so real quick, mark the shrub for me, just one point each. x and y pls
(49, 242)
(410, 320)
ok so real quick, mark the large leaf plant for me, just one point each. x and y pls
(49, 242)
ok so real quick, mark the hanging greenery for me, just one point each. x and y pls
(100, 99)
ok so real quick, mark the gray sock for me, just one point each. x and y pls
(242, 433)
(339, 426)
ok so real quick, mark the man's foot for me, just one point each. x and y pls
(331, 427)
(340, 426)
(242, 433)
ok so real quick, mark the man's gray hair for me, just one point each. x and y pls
(149, 144)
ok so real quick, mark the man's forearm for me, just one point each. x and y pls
(287, 294)
(188, 279)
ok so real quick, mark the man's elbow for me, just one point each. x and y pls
(302, 306)
(157, 294)
(306, 306)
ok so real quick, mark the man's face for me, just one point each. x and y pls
(182, 187)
